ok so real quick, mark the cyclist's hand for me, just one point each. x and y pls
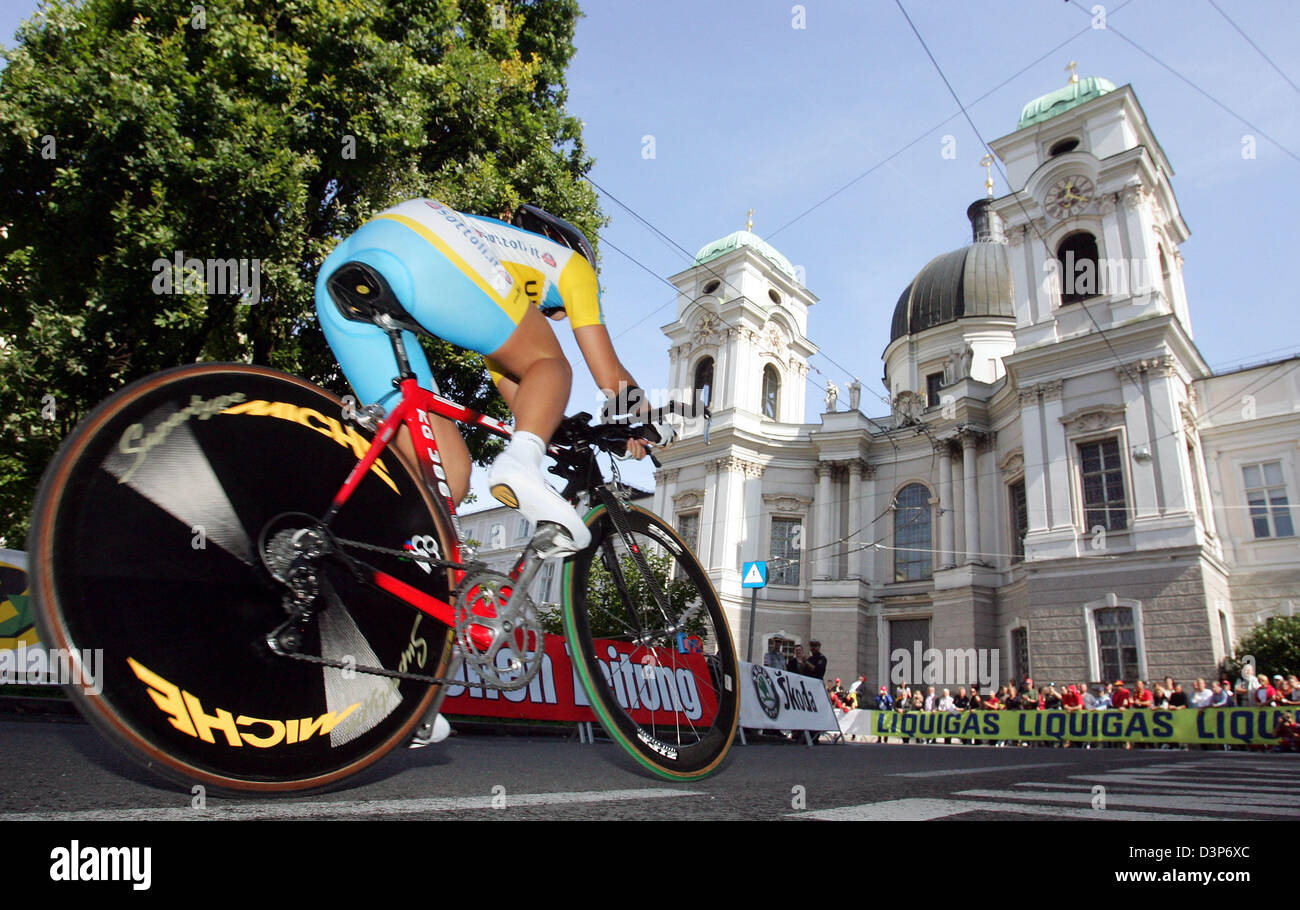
(637, 448)
(667, 433)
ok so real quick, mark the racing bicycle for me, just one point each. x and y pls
(278, 599)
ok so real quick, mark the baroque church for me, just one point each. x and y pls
(1061, 481)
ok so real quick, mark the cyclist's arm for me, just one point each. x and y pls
(602, 361)
(608, 370)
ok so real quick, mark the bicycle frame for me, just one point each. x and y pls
(416, 402)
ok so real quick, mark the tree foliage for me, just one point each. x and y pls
(1273, 644)
(607, 609)
(260, 130)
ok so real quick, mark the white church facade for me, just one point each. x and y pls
(1061, 480)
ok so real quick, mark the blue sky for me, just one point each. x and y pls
(749, 111)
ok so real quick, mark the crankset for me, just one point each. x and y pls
(496, 603)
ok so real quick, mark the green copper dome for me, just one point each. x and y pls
(724, 245)
(1061, 100)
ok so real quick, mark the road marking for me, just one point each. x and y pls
(1141, 801)
(950, 772)
(1175, 789)
(351, 808)
(918, 809)
(1137, 781)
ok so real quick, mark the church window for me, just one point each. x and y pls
(1117, 646)
(933, 383)
(1065, 145)
(771, 391)
(1020, 652)
(1019, 520)
(787, 544)
(912, 556)
(1079, 262)
(712, 286)
(704, 381)
(773, 296)
(1101, 477)
(1270, 510)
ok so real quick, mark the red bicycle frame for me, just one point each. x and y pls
(415, 404)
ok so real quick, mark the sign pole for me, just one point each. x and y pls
(753, 616)
(753, 575)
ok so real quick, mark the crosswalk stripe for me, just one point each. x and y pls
(1137, 780)
(351, 808)
(1173, 789)
(1141, 801)
(921, 809)
(951, 772)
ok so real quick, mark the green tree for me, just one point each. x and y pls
(607, 610)
(259, 130)
(1274, 644)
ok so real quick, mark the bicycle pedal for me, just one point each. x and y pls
(551, 540)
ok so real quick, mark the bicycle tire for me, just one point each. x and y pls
(630, 683)
(144, 554)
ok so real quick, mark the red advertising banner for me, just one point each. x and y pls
(641, 682)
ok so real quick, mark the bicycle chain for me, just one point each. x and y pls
(382, 671)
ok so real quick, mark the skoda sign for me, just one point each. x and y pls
(768, 698)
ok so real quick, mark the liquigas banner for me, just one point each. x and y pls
(773, 699)
(1208, 726)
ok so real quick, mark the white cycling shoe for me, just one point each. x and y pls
(515, 479)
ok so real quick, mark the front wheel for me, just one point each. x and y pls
(652, 645)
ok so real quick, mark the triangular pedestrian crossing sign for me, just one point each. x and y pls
(754, 576)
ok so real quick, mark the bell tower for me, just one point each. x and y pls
(740, 336)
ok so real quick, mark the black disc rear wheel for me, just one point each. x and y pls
(146, 568)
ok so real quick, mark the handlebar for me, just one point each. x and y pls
(612, 436)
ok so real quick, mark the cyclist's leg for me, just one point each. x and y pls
(366, 356)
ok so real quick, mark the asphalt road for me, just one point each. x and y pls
(59, 769)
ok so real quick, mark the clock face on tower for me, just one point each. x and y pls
(1068, 195)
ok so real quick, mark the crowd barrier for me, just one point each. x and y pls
(1250, 726)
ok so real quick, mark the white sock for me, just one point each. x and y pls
(527, 447)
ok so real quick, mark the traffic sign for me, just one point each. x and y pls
(753, 575)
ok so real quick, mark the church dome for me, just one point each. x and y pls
(724, 245)
(1058, 102)
(972, 281)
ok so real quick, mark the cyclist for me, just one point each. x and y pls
(485, 285)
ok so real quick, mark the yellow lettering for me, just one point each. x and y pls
(291, 731)
(304, 418)
(256, 408)
(166, 695)
(261, 742)
(309, 726)
(223, 720)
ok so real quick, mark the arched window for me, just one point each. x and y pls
(912, 556)
(771, 391)
(1065, 145)
(704, 381)
(1079, 261)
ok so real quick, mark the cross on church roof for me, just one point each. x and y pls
(1074, 77)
